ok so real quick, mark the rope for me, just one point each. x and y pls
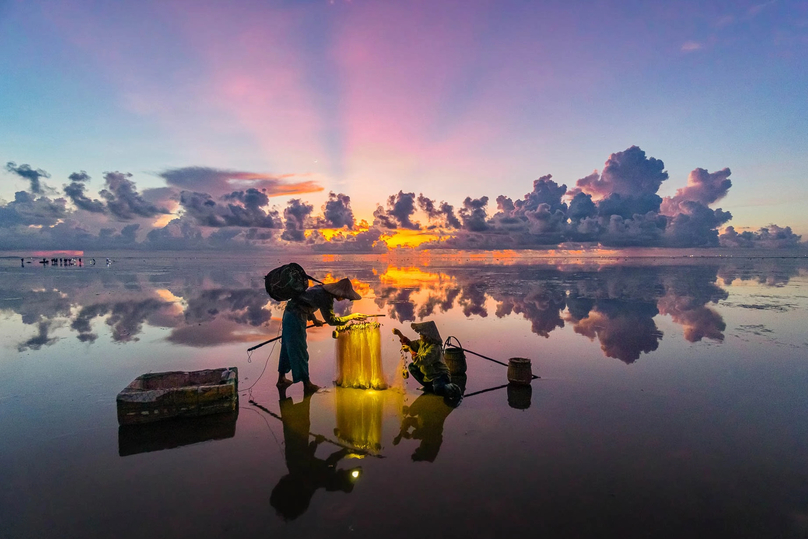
(268, 426)
(266, 363)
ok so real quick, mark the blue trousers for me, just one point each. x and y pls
(438, 385)
(294, 350)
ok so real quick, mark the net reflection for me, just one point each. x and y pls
(359, 418)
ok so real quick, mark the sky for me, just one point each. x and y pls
(204, 122)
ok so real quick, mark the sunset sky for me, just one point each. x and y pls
(369, 98)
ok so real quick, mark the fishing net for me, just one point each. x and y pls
(359, 418)
(359, 356)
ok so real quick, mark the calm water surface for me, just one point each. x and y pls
(672, 402)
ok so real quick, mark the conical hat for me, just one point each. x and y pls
(429, 330)
(342, 289)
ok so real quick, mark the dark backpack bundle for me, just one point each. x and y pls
(286, 282)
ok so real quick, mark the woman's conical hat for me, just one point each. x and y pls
(429, 330)
(342, 289)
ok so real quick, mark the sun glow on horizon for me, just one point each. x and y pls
(405, 238)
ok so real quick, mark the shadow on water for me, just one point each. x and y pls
(423, 421)
(308, 473)
(135, 439)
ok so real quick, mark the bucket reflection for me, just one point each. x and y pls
(519, 396)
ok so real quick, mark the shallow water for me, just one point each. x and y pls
(671, 402)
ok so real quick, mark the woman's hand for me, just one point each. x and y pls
(318, 323)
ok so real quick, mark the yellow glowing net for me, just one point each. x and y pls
(359, 418)
(359, 356)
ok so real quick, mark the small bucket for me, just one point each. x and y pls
(519, 371)
(455, 357)
(519, 396)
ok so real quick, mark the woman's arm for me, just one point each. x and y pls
(404, 340)
(332, 320)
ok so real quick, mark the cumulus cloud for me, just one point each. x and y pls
(123, 200)
(246, 209)
(400, 208)
(80, 176)
(619, 207)
(442, 213)
(473, 214)
(337, 212)
(540, 218)
(32, 175)
(695, 225)
(177, 234)
(75, 192)
(218, 182)
(627, 173)
(702, 186)
(238, 209)
(296, 220)
(545, 191)
(768, 237)
(641, 230)
(166, 197)
(26, 210)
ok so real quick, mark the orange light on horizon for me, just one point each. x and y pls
(408, 238)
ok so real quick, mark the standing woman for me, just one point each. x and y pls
(301, 309)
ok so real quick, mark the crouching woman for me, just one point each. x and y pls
(428, 366)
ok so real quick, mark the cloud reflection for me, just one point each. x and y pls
(617, 305)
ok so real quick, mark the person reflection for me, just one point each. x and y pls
(423, 420)
(307, 473)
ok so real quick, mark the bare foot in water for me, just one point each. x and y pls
(283, 382)
(309, 388)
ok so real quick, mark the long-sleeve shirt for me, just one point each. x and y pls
(429, 358)
(316, 299)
